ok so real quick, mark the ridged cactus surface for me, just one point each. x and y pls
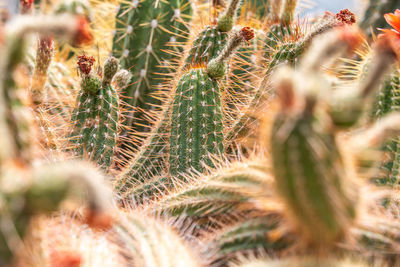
(96, 117)
(145, 30)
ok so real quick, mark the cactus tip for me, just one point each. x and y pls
(110, 68)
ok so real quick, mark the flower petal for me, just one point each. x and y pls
(393, 20)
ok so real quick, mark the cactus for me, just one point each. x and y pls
(151, 158)
(281, 24)
(218, 195)
(96, 116)
(148, 242)
(319, 174)
(192, 137)
(210, 42)
(258, 236)
(143, 30)
(285, 53)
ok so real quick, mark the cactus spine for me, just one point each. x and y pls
(143, 29)
(212, 39)
(148, 242)
(285, 53)
(96, 116)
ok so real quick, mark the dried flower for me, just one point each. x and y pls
(85, 64)
(247, 33)
(346, 16)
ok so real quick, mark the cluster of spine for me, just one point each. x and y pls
(145, 30)
(195, 124)
(285, 53)
(96, 117)
(212, 39)
(307, 163)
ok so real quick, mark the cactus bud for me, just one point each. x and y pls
(122, 79)
(216, 68)
(226, 21)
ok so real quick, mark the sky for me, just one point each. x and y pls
(319, 6)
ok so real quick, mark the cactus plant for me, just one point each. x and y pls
(212, 39)
(143, 30)
(192, 137)
(96, 116)
(285, 53)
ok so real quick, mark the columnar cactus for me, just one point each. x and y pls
(143, 31)
(307, 163)
(194, 134)
(285, 53)
(212, 39)
(96, 117)
(196, 120)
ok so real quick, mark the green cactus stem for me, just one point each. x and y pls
(285, 53)
(96, 117)
(151, 159)
(148, 242)
(210, 42)
(144, 30)
(258, 236)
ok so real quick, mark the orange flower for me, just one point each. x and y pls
(392, 35)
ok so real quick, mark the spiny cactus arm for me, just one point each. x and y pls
(196, 122)
(352, 102)
(261, 235)
(147, 242)
(150, 160)
(143, 31)
(216, 68)
(289, 52)
(224, 193)
(206, 46)
(51, 184)
(212, 39)
(228, 18)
